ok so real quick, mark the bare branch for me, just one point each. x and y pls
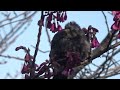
(41, 50)
(38, 41)
(12, 57)
(106, 21)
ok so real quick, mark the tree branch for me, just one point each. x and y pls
(106, 21)
(11, 57)
(104, 47)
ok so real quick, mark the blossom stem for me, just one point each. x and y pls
(37, 45)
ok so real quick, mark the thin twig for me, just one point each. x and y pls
(37, 46)
(41, 50)
(38, 41)
(106, 21)
(11, 57)
(18, 20)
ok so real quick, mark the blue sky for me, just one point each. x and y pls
(83, 18)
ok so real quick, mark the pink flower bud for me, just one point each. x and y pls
(117, 16)
(116, 25)
(65, 16)
(53, 27)
(59, 28)
(115, 12)
(49, 24)
(49, 18)
(58, 16)
(25, 69)
(27, 58)
(94, 43)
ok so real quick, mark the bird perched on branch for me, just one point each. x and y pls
(71, 39)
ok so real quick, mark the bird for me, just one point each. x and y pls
(72, 38)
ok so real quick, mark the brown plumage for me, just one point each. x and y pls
(73, 39)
